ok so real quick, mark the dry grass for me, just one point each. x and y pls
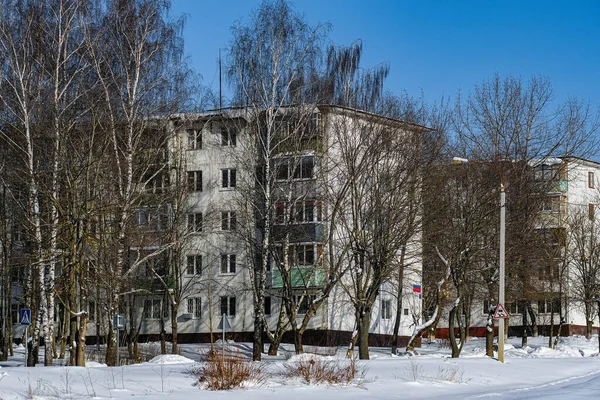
(229, 372)
(320, 370)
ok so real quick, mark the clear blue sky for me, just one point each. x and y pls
(434, 46)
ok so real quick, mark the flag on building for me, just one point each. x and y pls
(417, 289)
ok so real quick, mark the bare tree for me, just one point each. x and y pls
(271, 62)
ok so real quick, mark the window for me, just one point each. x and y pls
(14, 313)
(228, 263)
(282, 170)
(194, 306)
(406, 311)
(591, 211)
(551, 204)
(194, 222)
(386, 309)
(194, 139)
(547, 173)
(228, 178)
(547, 306)
(140, 217)
(280, 213)
(514, 308)
(303, 302)
(194, 265)
(228, 136)
(307, 211)
(305, 168)
(194, 181)
(304, 254)
(298, 168)
(591, 181)
(91, 310)
(267, 305)
(153, 308)
(228, 306)
(228, 221)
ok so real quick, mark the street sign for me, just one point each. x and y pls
(500, 312)
(25, 316)
(119, 322)
(224, 321)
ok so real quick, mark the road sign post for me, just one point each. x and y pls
(25, 320)
(118, 325)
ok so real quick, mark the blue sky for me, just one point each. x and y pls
(438, 47)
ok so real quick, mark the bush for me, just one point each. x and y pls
(320, 370)
(229, 372)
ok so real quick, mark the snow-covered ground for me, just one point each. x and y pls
(535, 372)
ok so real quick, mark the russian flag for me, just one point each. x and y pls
(416, 288)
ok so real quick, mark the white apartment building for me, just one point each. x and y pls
(217, 153)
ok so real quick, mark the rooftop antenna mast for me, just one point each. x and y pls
(220, 83)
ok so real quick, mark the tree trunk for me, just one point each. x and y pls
(111, 347)
(398, 302)
(489, 334)
(81, 332)
(451, 333)
(363, 333)
(525, 328)
(174, 328)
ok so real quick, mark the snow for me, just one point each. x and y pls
(572, 371)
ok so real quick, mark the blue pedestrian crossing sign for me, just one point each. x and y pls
(25, 316)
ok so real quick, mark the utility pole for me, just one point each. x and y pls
(502, 272)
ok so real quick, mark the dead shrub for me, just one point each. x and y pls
(320, 370)
(231, 371)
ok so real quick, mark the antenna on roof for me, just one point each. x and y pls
(220, 83)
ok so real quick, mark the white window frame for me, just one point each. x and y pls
(194, 181)
(230, 306)
(194, 222)
(194, 139)
(228, 221)
(228, 178)
(194, 306)
(228, 136)
(194, 265)
(386, 309)
(228, 264)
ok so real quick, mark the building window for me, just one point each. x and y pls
(194, 181)
(91, 310)
(228, 263)
(591, 182)
(406, 311)
(386, 309)
(591, 211)
(298, 168)
(304, 254)
(194, 223)
(514, 308)
(305, 168)
(267, 305)
(547, 173)
(14, 313)
(228, 306)
(551, 204)
(228, 136)
(194, 306)
(228, 178)
(304, 302)
(307, 211)
(153, 309)
(141, 216)
(194, 139)
(547, 306)
(228, 221)
(194, 265)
